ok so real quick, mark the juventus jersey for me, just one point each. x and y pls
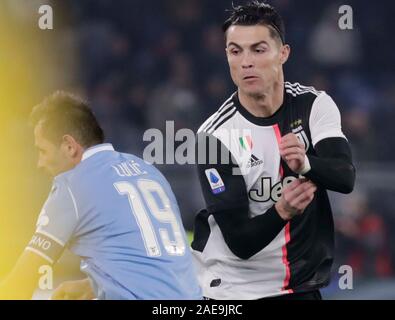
(299, 258)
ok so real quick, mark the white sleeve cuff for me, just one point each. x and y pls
(306, 166)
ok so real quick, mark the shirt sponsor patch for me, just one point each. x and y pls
(215, 180)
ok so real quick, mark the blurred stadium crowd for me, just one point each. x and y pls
(145, 62)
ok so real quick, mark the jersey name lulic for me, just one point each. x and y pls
(128, 169)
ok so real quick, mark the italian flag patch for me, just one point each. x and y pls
(246, 143)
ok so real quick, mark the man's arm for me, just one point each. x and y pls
(247, 236)
(23, 279)
(332, 167)
(227, 200)
(74, 290)
(55, 226)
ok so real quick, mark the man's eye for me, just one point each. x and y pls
(260, 50)
(234, 51)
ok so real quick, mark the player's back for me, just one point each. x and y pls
(130, 232)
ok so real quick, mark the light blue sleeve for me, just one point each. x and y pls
(56, 223)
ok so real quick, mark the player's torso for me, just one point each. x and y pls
(254, 144)
(130, 226)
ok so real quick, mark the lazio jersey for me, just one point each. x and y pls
(121, 217)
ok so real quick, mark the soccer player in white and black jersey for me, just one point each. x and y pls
(267, 230)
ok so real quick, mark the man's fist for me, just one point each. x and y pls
(74, 290)
(295, 198)
(293, 153)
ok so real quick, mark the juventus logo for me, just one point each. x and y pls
(301, 134)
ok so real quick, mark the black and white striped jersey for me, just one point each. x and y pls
(299, 257)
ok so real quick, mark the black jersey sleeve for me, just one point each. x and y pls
(222, 187)
(225, 193)
(332, 168)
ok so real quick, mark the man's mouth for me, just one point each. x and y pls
(250, 77)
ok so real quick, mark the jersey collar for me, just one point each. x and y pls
(262, 121)
(95, 149)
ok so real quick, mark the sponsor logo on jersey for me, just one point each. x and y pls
(268, 190)
(254, 161)
(215, 181)
(246, 144)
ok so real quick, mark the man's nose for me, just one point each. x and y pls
(40, 164)
(246, 61)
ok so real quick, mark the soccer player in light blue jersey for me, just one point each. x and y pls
(112, 209)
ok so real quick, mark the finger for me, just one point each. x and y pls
(297, 157)
(87, 296)
(302, 202)
(292, 185)
(303, 205)
(306, 195)
(301, 198)
(84, 296)
(300, 189)
(290, 150)
(294, 156)
(290, 194)
(288, 136)
(58, 295)
(308, 184)
(290, 143)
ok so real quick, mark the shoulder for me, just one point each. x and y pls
(64, 179)
(225, 112)
(75, 180)
(296, 90)
(65, 189)
(309, 97)
(303, 95)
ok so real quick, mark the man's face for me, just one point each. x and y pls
(52, 158)
(255, 58)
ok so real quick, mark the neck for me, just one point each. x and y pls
(264, 104)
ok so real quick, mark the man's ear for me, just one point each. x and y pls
(70, 145)
(285, 51)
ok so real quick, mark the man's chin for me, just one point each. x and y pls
(252, 89)
(51, 173)
(254, 93)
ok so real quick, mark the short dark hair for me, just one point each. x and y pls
(257, 13)
(64, 113)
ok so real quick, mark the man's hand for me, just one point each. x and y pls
(295, 198)
(292, 152)
(74, 290)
